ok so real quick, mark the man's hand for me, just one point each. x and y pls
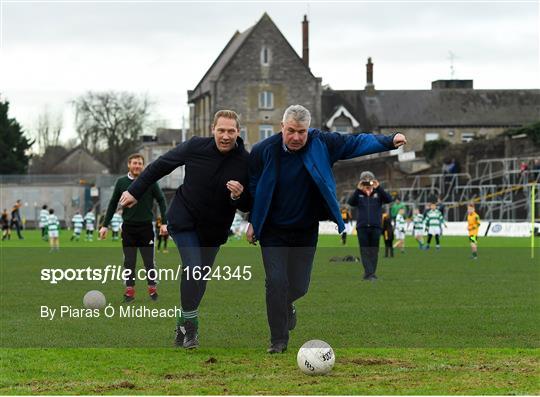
(235, 188)
(127, 200)
(375, 183)
(103, 232)
(163, 230)
(399, 140)
(250, 235)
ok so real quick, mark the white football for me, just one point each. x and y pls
(94, 300)
(316, 357)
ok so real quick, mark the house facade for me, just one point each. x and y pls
(258, 74)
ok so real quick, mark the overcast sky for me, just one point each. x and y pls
(51, 52)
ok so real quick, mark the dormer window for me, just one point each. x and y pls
(265, 56)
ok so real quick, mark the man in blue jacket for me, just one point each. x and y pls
(291, 180)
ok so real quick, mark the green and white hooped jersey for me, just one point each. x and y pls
(77, 222)
(90, 219)
(53, 224)
(116, 221)
(401, 225)
(418, 222)
(43, 218)
(434, 218)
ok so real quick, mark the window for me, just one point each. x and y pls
(243, 134)
(266, 100)
(265, 56)
(467, 136)
(432, 136)
(265, 131)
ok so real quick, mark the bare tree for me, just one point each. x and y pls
(48, 128)
(110, 123)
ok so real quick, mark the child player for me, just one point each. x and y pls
(418, 227)
(388, 234)
(434, 221)
(52, 226)
(43, 220)
(401, 226)
(116, 222)
(90, 221)
(347, 220)
(77, 222)
(473, 224)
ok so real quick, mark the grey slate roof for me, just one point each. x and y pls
(219, 64)
(437, 107)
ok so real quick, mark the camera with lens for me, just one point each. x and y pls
(366, 183)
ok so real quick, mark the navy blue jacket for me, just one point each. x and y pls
(323, 149)
(369, 207)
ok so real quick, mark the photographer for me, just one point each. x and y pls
(369, 197)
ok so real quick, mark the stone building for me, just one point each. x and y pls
(258, 74)
(452, 110)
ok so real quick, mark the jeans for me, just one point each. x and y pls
(288, 259)
(194, 259)
(368, 239)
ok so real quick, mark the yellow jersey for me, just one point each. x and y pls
(473, 221)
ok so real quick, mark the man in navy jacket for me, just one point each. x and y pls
(369, 197)
(291, 181)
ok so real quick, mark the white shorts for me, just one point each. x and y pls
(434, 230)
(53, 233)
(42, 225)
(399, 235)
(77, 231)
(418, 232)
(90, 228)
(348, 228)
(115, 229)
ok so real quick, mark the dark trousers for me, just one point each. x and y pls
(388, 248)
(17, 226)
(139, 237)
(288, 259)
(195, 263)
(162, 239)
(368, 239)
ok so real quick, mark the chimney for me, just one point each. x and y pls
(305, 40)
(369, 76)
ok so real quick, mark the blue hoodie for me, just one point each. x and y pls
(322, 150)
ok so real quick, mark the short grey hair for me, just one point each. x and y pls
(298, 113)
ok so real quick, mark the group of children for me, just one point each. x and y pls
(50, 226)
(431, 222)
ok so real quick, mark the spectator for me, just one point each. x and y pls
(369, 197)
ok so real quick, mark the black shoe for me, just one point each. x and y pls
(179, 335)
(291, 319)
(128, 299)
(191, 338)
(279, 347)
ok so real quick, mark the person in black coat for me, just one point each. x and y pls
(388, 235)
(203, 208)
(369, 197)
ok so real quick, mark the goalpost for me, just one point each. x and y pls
(533, 205)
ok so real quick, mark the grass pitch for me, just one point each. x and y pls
(435, 323)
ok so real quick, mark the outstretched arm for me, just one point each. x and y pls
(344, 147)
(157, 169)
